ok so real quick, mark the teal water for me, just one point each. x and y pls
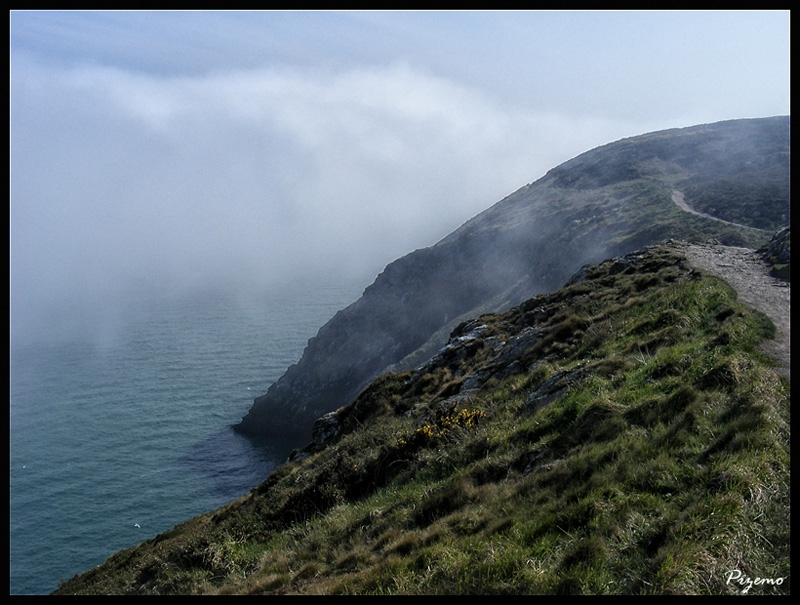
(112, 443)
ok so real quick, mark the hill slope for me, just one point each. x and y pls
(603, 203)
(622, 435)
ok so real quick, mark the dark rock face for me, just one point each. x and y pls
(604, 203)
(778, 253)
(553, 389)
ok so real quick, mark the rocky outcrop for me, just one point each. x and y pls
(778, 253)
(601, 204)
(553, 389)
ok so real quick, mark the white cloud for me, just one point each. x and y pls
(170, 150)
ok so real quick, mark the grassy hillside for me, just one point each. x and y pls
(619, 436)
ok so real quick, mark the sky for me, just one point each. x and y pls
(160, 153)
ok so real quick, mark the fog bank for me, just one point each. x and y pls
(159, 153)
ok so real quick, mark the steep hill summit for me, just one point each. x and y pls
(733, 175)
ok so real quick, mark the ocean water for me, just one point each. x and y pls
(116, 441)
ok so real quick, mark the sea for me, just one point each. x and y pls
(113, 441)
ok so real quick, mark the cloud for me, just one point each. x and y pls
(124, 182)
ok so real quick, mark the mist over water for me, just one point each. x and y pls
(154, 153)
(135, 429)
(127, 186)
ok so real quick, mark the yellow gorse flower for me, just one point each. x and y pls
(463, 417)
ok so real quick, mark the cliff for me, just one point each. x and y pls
(621, 435)
(606, 202)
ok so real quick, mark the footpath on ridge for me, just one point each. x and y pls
(750, 275)
(679, 200)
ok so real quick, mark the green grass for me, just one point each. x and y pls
(661, 471)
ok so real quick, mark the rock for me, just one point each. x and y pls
(553, 389)
(326, 428)
(778, 253)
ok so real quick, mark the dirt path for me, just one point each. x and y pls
(749, 274)
(678, 198)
